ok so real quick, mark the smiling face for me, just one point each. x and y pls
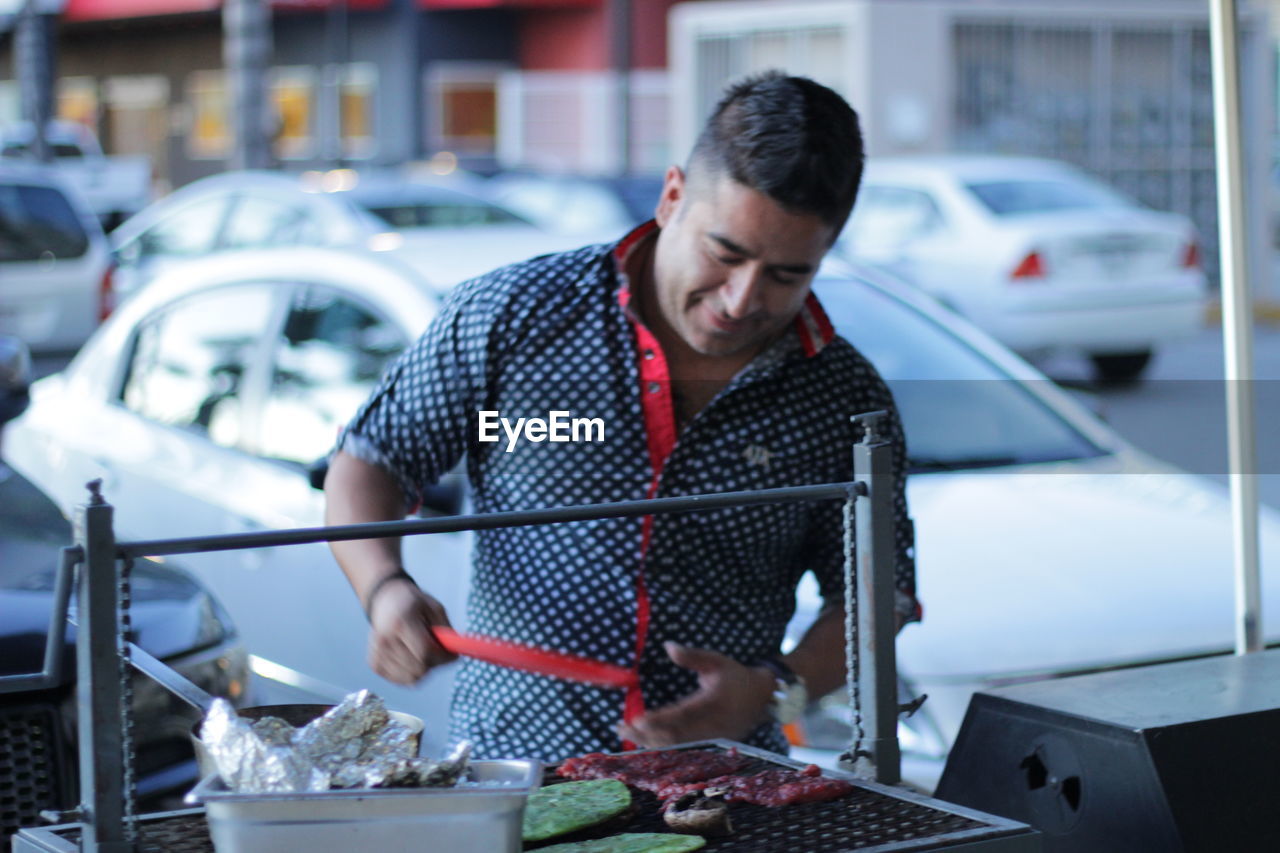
(731, 267)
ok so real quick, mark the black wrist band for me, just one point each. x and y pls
(377, 587)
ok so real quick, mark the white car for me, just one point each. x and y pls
(55, 264)
(114, 187)
(577, 204)
(449, 230)
(1035, 252)
(1046, 544)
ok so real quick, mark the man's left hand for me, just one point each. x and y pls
(730, 701)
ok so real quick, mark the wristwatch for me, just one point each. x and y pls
(789, 694)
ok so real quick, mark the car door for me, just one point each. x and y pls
(330, 353)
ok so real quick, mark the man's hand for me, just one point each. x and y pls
(731, 700)
(401, 646)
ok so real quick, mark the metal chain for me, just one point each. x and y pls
(128, 762)
(851, 627)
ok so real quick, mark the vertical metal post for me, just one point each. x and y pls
(877, 658)
(1237, 323)
(338, 49)
(620, 50)
(98, 687)
(246, 53)
(33, 55)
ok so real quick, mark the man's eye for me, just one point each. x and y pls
(728, 260)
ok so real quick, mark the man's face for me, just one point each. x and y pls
(731, 267)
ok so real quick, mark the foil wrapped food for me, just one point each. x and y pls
(354, 744)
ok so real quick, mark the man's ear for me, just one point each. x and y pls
(673, 195)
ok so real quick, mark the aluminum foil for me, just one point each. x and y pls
(422, 772)
(248, 763)
(355, 744)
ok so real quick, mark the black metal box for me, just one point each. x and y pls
(1173, 757)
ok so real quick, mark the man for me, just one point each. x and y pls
(696, 342)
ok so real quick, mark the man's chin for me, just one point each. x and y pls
(718, 347)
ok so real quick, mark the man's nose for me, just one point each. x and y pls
(742, 291)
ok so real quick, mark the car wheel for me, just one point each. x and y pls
(1120, 367)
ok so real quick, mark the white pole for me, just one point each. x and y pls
(1237, 322)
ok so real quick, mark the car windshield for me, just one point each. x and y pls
(1014, 197)
(958, 408)
(38, 222)
(451, 213)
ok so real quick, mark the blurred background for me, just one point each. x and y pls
(618, 87)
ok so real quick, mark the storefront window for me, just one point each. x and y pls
(293, 97)
(359, 82)
(464, 100)
(209, 136)
(78, 101)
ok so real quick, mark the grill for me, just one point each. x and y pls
(874, 819)
(31, 756)
(170, 832)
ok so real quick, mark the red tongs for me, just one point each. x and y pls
(533, 659)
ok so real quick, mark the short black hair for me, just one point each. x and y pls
(792, 139)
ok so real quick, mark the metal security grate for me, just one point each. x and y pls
(29, 766)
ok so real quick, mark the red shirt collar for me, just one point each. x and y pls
(811, 324)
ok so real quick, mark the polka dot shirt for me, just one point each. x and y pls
(556, 333)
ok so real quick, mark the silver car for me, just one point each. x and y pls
(55, 263)
(448, 229)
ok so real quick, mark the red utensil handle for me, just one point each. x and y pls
(532, 659)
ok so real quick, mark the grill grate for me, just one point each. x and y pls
(865, 818)
(175, 832)
(29, 766)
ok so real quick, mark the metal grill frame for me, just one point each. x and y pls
(104, 827)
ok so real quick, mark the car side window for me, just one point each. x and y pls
(888, 217)
(188, 231)
(326, 363)
(38, 222)
(191, 361)
(258, 221)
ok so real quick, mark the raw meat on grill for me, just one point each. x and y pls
(768, 787)
(652, 771)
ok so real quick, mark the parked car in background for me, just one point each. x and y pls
(56, 280)
(1036, 253)
(1046, 544)
(448, 229)
(576, 204)
(203, 405)
(114, 187)
(173, 616)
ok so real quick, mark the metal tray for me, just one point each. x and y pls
(480, 819)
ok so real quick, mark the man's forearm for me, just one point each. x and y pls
(819, 657)
(357, 492)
